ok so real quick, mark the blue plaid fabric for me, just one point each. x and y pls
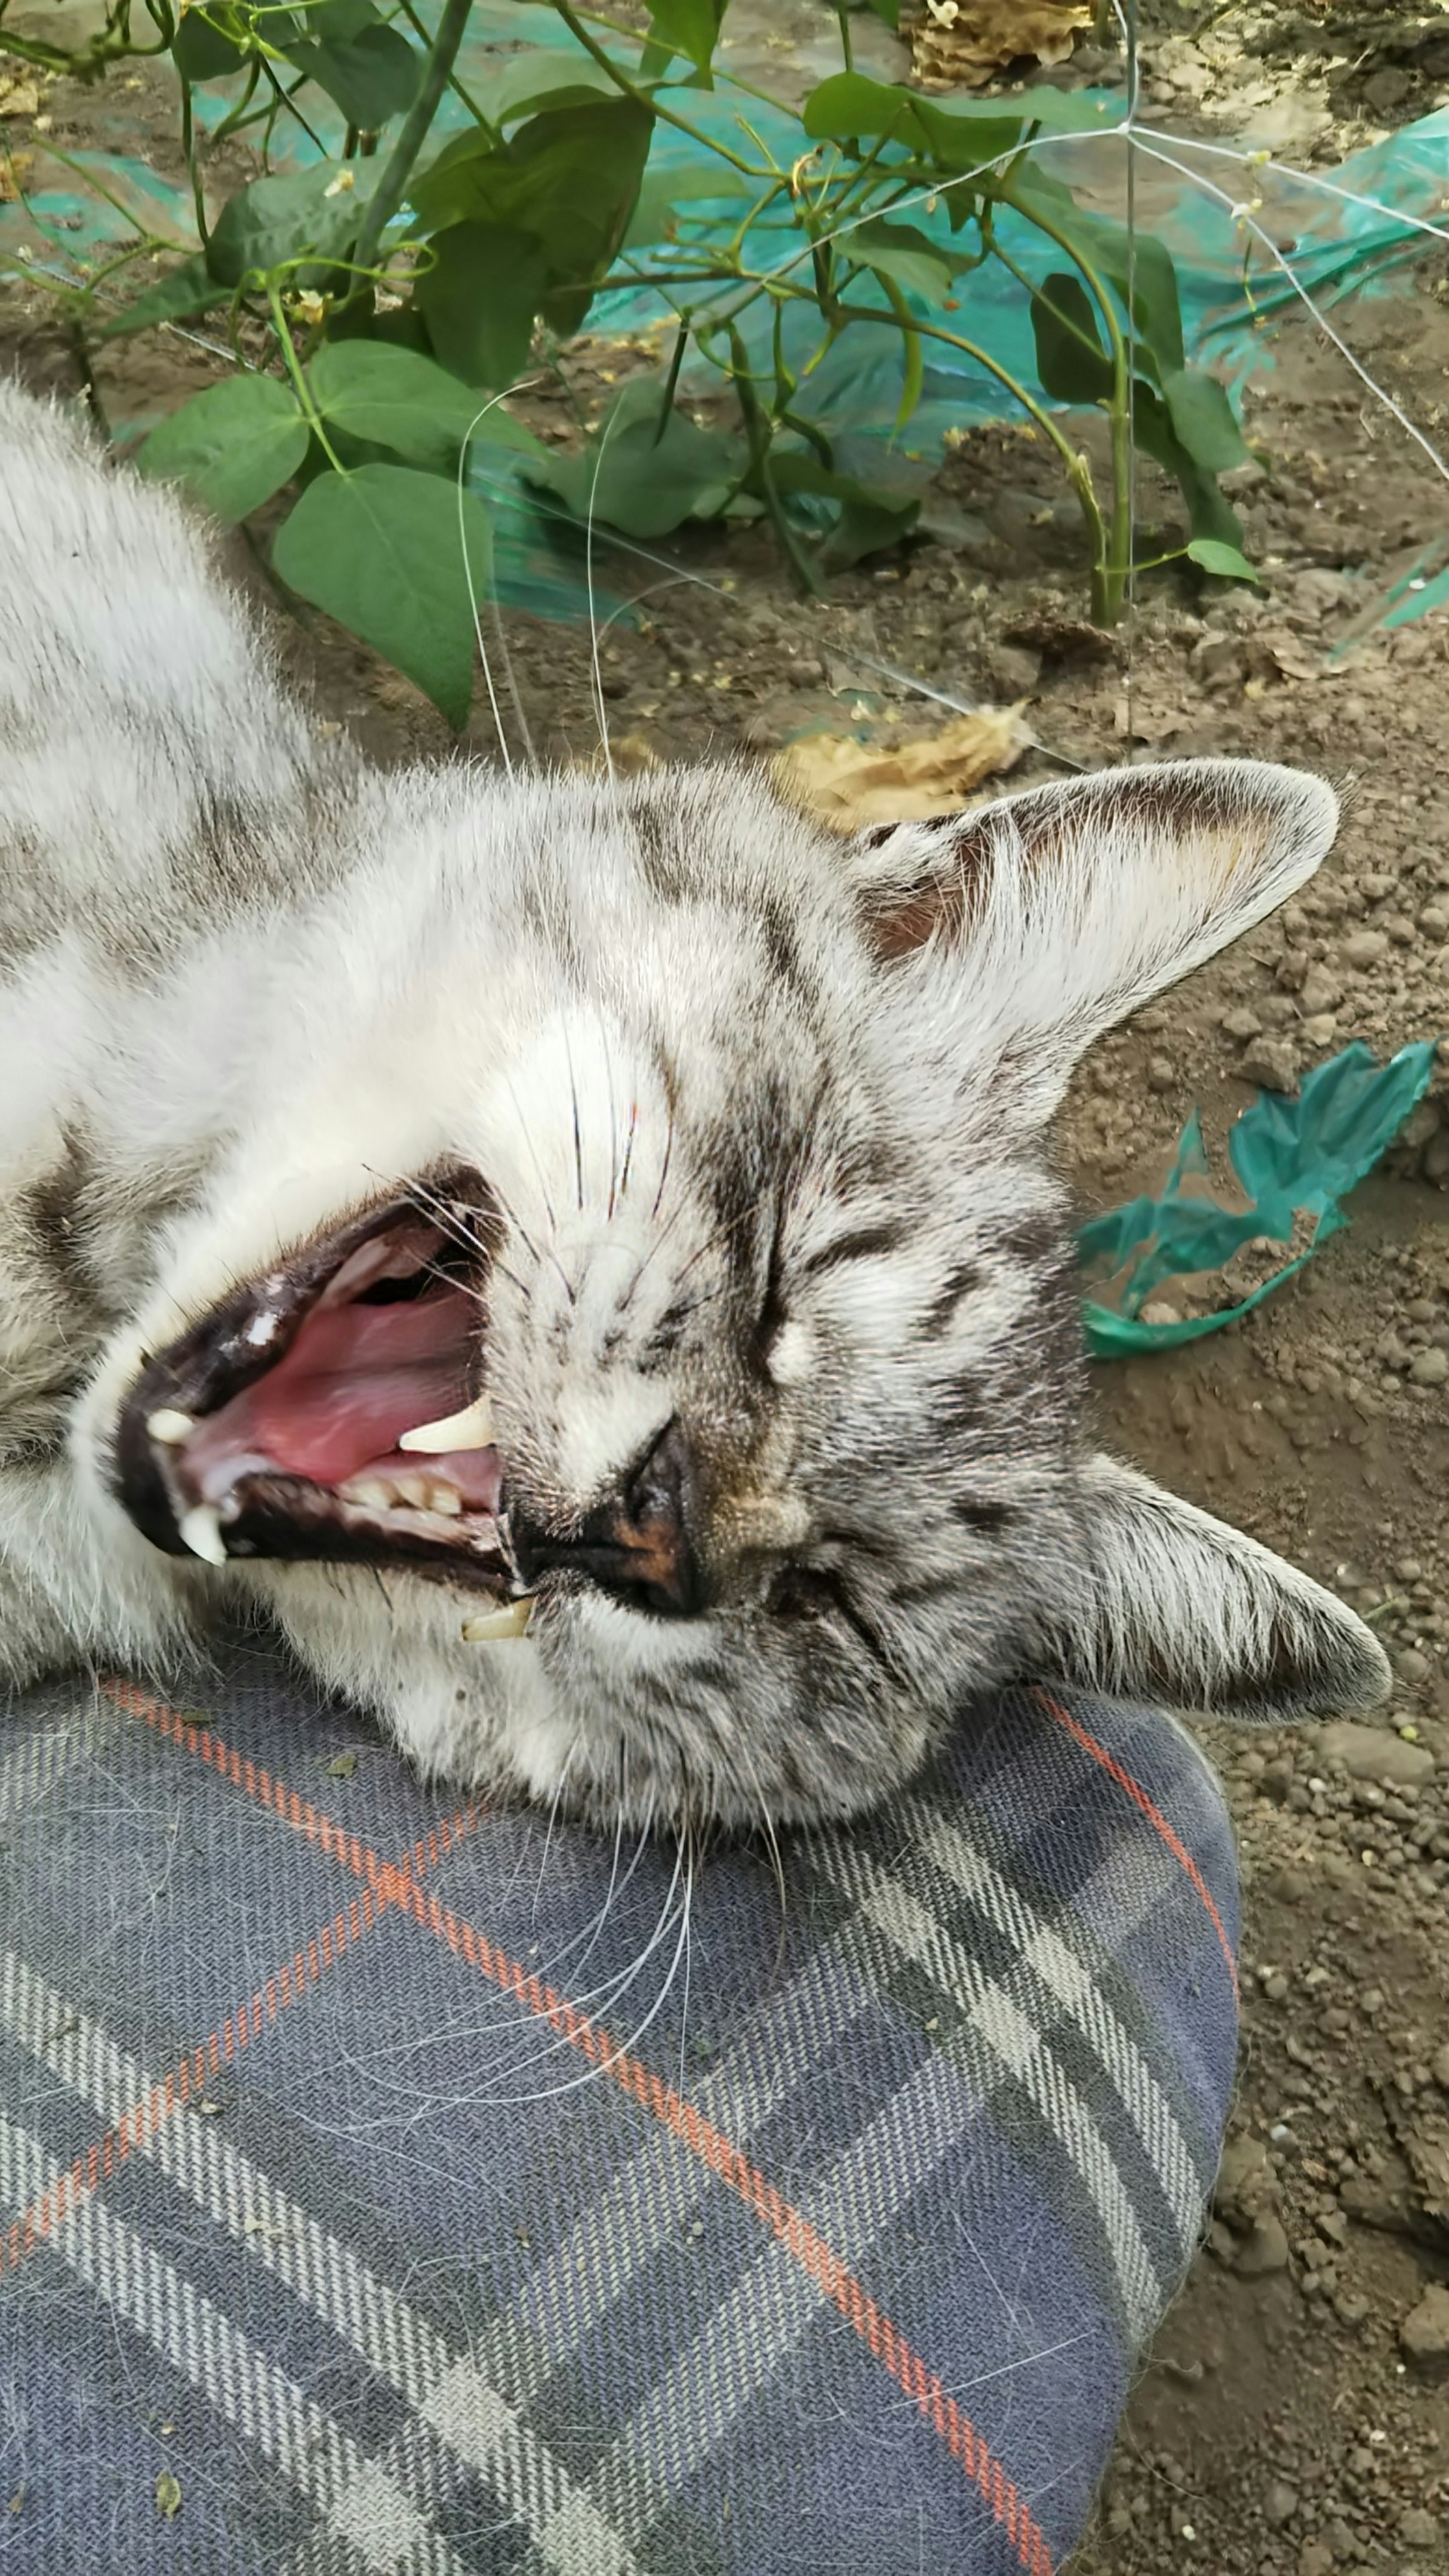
(387, 2186)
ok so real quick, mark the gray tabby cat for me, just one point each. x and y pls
(435, 1208)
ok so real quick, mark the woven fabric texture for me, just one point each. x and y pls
(388, 2185)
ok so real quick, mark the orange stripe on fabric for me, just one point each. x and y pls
(398, 1886)
(297, 1975)
(1155, 1818)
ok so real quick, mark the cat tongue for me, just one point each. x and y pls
(354, 1380)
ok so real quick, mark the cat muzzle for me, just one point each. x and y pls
(638, 1548)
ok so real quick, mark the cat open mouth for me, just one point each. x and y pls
(331, 1409)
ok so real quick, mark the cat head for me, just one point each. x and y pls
(632, 1338)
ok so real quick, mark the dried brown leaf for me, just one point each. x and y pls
(962, 44)
(849, 784)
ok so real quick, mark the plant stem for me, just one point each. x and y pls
(645, 98)
(391, 188)
(300, 386)
(847, 47)
(757, 431)
(454, 84)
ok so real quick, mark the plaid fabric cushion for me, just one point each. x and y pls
(391, 2186)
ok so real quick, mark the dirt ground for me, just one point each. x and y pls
(1294, 2416)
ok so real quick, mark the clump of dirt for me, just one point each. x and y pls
(1294, 2418)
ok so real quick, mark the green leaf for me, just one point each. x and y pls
(688, 27)
(233, 446)
(872, 515)
(1228, 562)
(203, 50)
(640, 479)
(393, 397)
(569, 178)
(968, 136)
(1070, 359)
(1209, 515)
(888, 11)
(191, 288)
(543, 76)
(481, 300)
(1202, 416)
(904, 253)
(276, 220)
(381, 550)
(368, 67)
(664, 193)
(1104, 245)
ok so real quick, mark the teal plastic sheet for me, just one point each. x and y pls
(1291, 1159)
(1232, 292)
(1338, 232)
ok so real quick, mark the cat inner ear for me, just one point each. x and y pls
(1177, 1607)
(1055, 913)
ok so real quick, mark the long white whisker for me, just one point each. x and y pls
(594, 662)
(491, 405)
(553, 2093)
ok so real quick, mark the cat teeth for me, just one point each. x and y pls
(488, 1625)
(201, 1530)
(470, 1429)
(416, 1493)
(169, 1426)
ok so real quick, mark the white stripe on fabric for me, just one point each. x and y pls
(1017, 2045)
(1068, 1977)
(42, 1756)
(743, 2340)
(643, 2205)
(444, 2387)
(270, 2410)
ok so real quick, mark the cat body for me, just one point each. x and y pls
(678, 1164)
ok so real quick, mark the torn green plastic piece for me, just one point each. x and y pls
(1290, 1158)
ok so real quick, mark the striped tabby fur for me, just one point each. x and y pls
(765, 1115)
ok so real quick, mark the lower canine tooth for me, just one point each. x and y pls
(512, 1621)
(369, 1492)
(445, 1499)
(169, 1426)
(416, 1490)
(201, 1530)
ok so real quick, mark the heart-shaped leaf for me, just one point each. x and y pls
(1203, 419)
(1228, 562)
(648, 470)
(1070, 359)
(278, 220)
(373, 74)
(481, 299)
(394, 398)
(232, 446)
(687, 27)
(191, 288)
(382, 551)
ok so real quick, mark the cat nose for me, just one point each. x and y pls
(638, 1546)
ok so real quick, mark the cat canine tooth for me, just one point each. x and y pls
(169, 1426)
(201, 1529)
(444, 1498)
(511, 1621)
(370, 1492)
(416, 1490)
(470, 1429)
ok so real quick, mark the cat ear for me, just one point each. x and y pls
(1179, 1607)
(1054, 913)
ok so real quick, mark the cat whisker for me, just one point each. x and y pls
(462, 486)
